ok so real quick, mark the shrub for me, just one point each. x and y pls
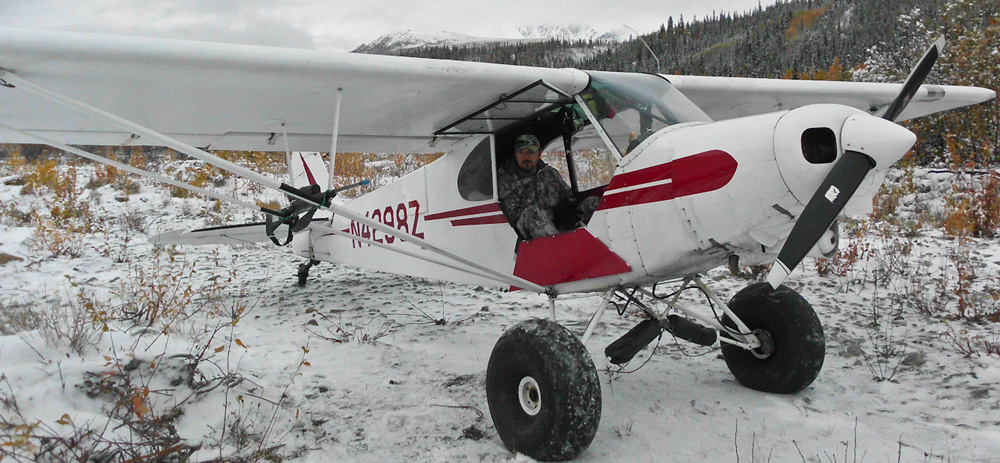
(15, 163)
(57, 241)
(974, 208)
(72, 322)
(44, 177)
(380, 169)
(855, 247)
(971, 344)
(105, 174)
(16, 317)
(12, 215)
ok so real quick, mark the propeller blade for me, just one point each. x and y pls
(846, 176)
(831, 197)
(914, 80)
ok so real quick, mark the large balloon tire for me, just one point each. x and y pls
(543, 391)
(794, 344)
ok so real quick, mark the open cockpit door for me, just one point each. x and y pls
(556, 119)
(521, 105)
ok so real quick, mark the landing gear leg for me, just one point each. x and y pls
(303, 272)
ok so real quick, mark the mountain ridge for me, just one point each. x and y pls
(409, 39)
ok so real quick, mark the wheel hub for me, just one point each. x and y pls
(530, 396)
(766, 344)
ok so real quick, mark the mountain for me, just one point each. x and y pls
(408, 40)
(572, 33)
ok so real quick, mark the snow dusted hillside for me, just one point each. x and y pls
(395, 42)
(410, 39)
(362, 366)
(572, 33)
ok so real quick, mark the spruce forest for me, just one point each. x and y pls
(860, 40)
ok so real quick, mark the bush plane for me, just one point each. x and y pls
(699, 172)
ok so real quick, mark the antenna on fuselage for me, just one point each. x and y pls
(659, 67)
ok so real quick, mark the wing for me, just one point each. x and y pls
(225, 96)
(730, 97)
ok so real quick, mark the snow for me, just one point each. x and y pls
(417, 393)
(409, 39)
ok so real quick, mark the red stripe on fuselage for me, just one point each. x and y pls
(699, 173)
(491, 207)
(485, 220)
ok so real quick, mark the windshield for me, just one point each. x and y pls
(630, 107)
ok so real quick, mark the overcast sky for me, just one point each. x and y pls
(343, 25)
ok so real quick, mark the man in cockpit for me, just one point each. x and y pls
(531, 192)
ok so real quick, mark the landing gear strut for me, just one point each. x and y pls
(303, 272)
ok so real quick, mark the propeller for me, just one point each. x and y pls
(850, 170)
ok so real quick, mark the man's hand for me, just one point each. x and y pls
(567, 214)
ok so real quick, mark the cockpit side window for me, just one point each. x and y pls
(590, 158)
(475, 178)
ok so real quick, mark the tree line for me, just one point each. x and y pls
(861, 40)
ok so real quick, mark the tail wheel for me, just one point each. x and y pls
(543, 391)
(792, 342)
(303, 274)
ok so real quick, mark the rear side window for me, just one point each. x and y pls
(475, 178)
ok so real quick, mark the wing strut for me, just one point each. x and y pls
(229, 199)
(333, 145)
(403, 251)
(140, 172)
(140, 130)
(288, 152)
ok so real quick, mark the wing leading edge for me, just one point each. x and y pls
(226, 96)
(731, 97)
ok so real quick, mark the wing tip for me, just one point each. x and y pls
(940, 44)
(779, 271)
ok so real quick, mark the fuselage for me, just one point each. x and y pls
(682, 200)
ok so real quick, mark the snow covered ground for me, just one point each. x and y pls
(363, 366)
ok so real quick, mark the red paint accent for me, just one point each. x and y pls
(638, 177)
(309, 174)
(699, 173)
(571, 256)
(486, 220)
(491, 207)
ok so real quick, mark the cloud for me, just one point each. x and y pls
(245, 22)
(341, 25)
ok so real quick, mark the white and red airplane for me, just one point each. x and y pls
(706, 171)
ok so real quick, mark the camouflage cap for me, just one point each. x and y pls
(526, 141)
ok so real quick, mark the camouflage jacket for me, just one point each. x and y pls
(518, 189)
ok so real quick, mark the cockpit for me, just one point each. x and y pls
(583, 136)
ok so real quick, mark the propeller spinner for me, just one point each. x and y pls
(867, 140)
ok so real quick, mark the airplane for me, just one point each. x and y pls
(702, 172)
